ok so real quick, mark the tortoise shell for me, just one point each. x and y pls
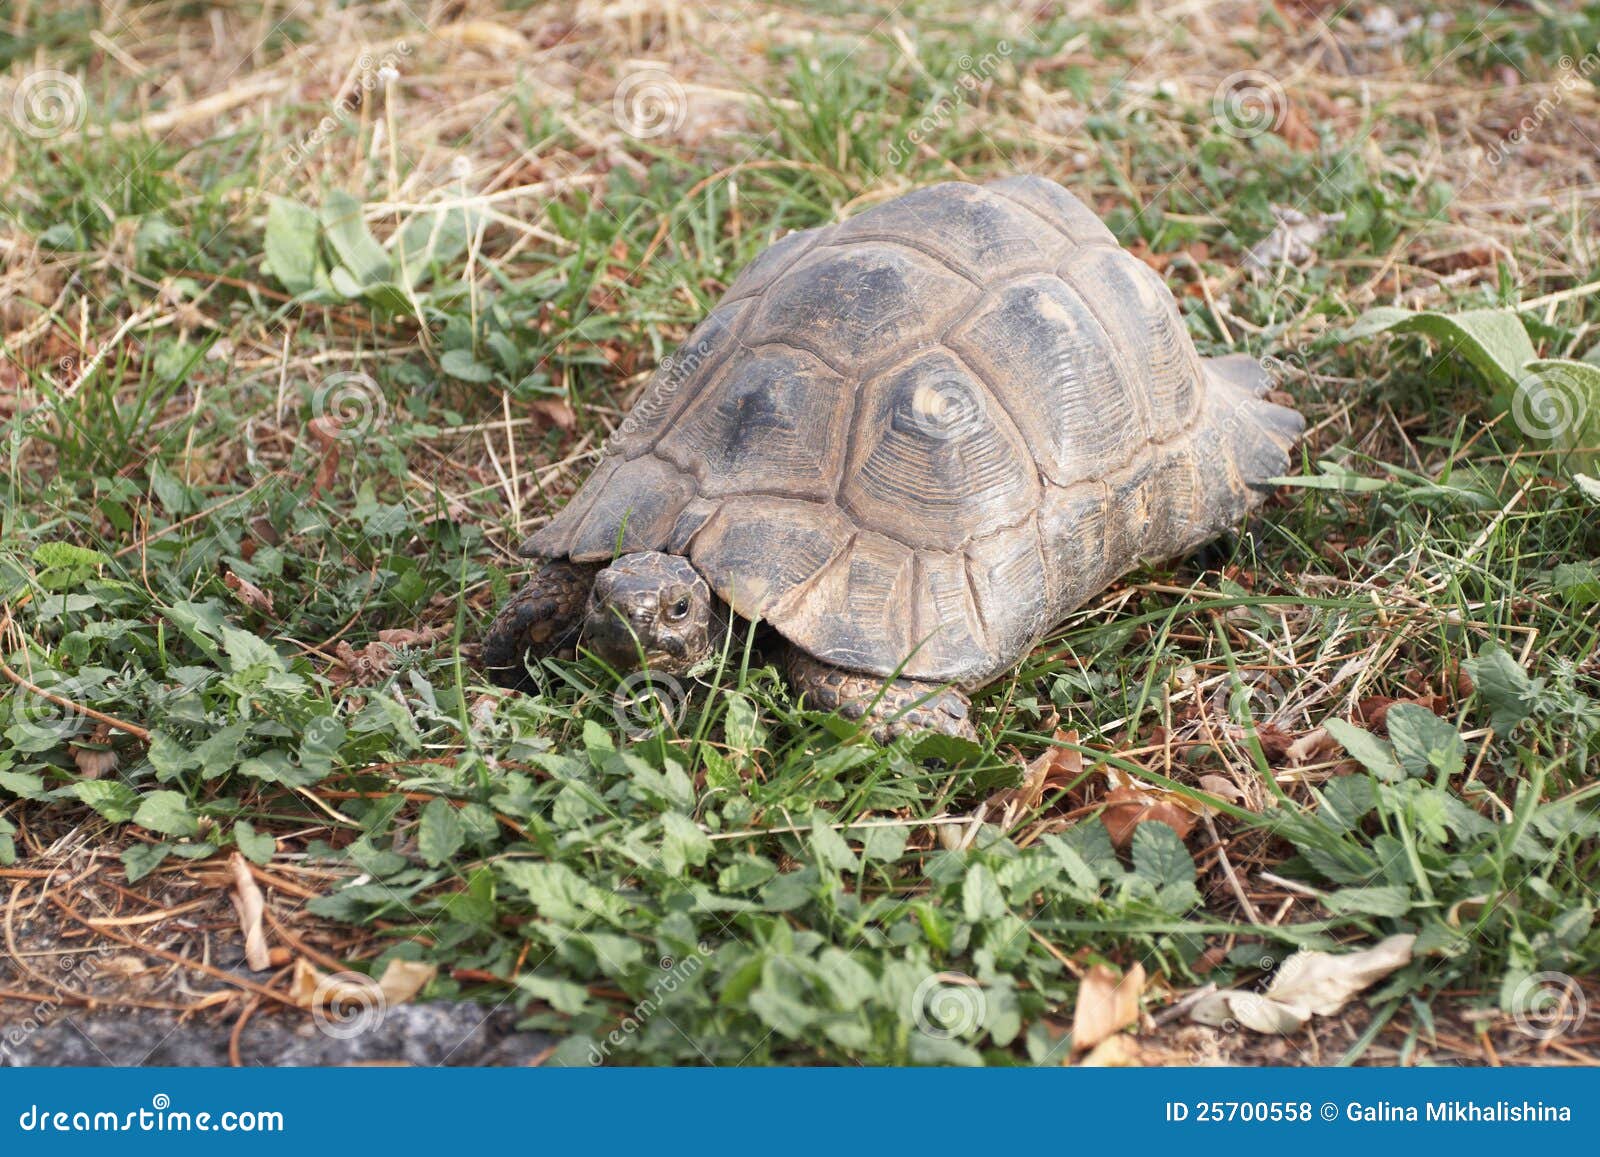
(913, 441)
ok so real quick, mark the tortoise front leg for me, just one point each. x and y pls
(891, 708)
(541, 619)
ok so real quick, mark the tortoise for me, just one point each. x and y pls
(909, 443)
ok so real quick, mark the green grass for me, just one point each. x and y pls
(744, 882)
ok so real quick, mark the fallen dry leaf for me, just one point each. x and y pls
(251, 906)
(310, 987)
(1107, 1003)
(1312, 747)
(1307, 984)
(248, 593)
(1057, 768)
(1115, 1052)
(94, 756)
(1127, 807)
(325, 432)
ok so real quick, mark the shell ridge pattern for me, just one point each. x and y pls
(636, 441)
(890, 239)
(1141, 399)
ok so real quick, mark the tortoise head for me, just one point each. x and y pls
(651, 607)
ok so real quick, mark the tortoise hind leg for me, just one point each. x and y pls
(544, 616)
(891, 708)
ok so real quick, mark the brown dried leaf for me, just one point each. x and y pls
(1055, 769)
(325, 432)
(310, 987)
(1312, 747)
(251, 906)
(557, 411)
(1107, 1003)
(248, 593)
(94, 756)
(1128, 807)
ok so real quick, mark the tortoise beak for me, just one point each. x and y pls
(618, 634)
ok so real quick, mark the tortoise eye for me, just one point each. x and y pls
(679, 609)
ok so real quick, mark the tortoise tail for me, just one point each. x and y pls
(1244, 439)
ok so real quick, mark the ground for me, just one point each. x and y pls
(310, 314)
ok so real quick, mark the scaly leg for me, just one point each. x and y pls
(891, 708)
(542, 618)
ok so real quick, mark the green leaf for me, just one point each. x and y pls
(561, 995)
(22, 784)
(64, 566)
(142, 859)
(1504, 687)
(115, 801)
(357, 250)
(829, 846)
(884, 844)
(1558, 401)
(1390, 900)
(439, 835)
(1160, 857)
(1493, 340)
(257, 847)
(682, 844)
(461, 365)
(166, 812)
(1373, 753)
(742, 725)
(290, 246)
(245, 651)
(1424, 742)
(981, 897)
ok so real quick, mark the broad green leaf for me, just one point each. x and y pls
(830, 846)
(1424, 742)
(257, 847)
(345, 226)
(1160, 857)
(115, 801)
(1493, 340)
(166, 812)
(1373, 753)
(461, 365)
(682, 843)
(439, 835)
(1558, 401)
(981, 897)
(1504, 686)
(142, 859)
(290, 246)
